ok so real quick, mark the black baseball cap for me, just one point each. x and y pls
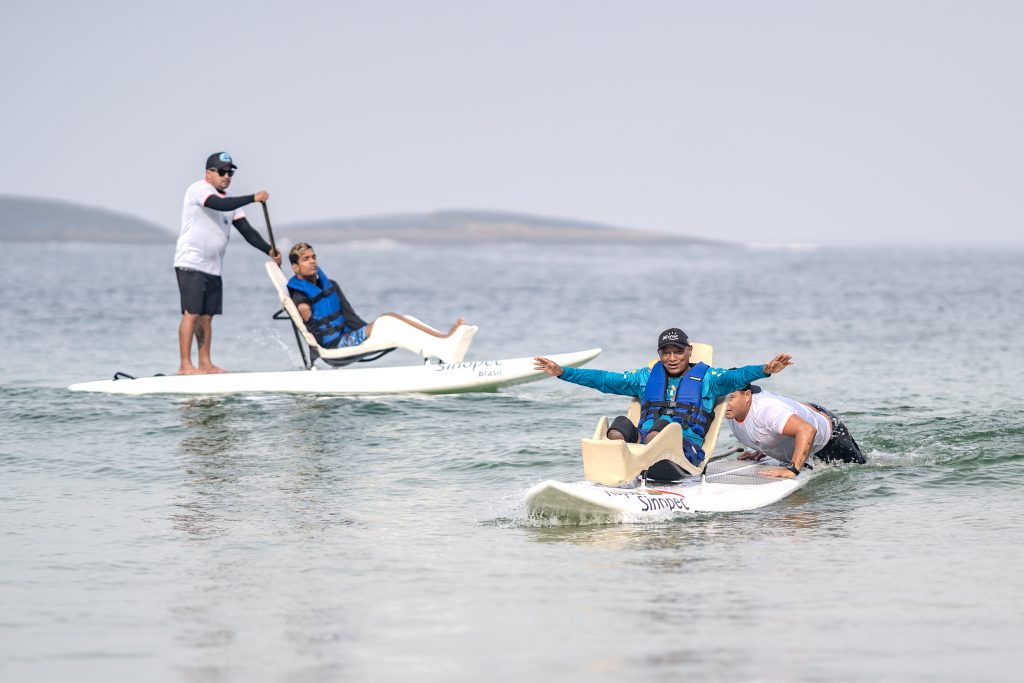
(220, 160)
(673, 336)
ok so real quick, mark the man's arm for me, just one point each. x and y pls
(220, 203)
(803, 434)
(255, 239)
(630, 383)
(250, 234)
(301, 302)
(720, 382)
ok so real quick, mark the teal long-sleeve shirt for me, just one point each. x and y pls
(717, 382)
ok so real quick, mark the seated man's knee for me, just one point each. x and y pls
(655, 430)
(622, 428)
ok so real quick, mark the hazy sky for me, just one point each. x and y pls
(771, 122)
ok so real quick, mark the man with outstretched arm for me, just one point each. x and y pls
(787, 430)
(671, 390)
(206, 221)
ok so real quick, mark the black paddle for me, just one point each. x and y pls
(270, 231)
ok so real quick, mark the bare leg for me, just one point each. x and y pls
(204, 337)
(650, 436)
(616, 434)
(419, 326)
(186, 329)
(458, 323)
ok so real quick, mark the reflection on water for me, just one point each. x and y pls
(239, 498)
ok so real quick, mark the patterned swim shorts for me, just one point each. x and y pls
(353, 338)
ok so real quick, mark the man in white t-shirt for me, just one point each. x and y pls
(788, 431)
(206, 221)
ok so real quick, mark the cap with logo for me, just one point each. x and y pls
(220, 160)
(673, 336)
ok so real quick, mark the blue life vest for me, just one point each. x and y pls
(327, 322)
(687, 409)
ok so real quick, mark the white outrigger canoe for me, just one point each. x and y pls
(438, 378)
(615, 488)
(450, 374)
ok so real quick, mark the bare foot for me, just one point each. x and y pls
(189, 370)
(211, 370)
(458, 323)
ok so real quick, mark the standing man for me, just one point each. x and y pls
(787, 430)
(206, 222)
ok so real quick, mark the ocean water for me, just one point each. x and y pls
(297, 538)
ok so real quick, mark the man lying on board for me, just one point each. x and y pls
(787, 430)
(671, 390)
(328, 315)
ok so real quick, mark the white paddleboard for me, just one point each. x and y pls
(728, 486)
(444, 378)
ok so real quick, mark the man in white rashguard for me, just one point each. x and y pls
(206, 220)
(789, 431)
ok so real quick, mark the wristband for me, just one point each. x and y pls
(792, 468)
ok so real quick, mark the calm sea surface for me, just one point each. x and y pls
(290, 538)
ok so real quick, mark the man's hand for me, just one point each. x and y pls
(778, 364)
(548, 366)
(261, 196)
(780, 472)
(276, 255)
(750, 455)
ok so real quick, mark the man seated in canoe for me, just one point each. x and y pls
(670, 390)
(324, 308)
(787, 430)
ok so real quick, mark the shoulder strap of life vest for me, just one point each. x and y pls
(688, 407)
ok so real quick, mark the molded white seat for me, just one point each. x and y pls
(387, 333)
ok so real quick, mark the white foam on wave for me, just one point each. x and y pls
(381, 244)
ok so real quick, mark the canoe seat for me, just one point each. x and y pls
(388, 333)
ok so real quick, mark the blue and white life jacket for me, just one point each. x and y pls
(687, 409)
(327, 322)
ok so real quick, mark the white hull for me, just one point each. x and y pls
(730, 486)
(429, 379)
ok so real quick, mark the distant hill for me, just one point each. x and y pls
(473, 226)
(26, 219)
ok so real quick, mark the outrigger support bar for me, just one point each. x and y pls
(309, 355)
(723, 455)
(281, 314)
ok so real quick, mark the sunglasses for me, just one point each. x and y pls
(229, 172)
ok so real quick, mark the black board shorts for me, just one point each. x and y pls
(201, 293)
(841, 446)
